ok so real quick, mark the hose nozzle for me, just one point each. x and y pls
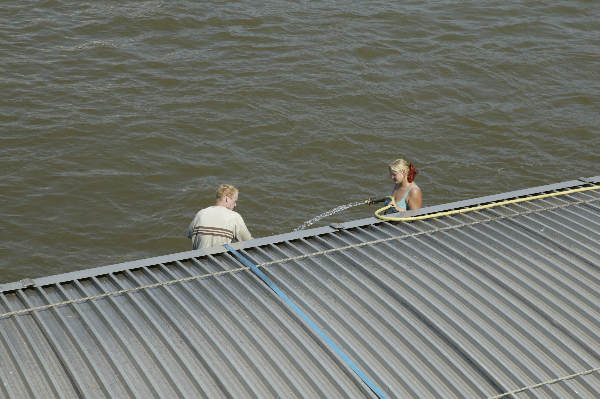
(375, 200)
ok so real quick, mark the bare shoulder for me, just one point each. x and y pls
(415, 198)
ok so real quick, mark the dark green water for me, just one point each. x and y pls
(118, 122)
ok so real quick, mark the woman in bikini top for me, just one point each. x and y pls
(407, 195)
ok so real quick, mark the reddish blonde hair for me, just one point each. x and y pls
(402, 166)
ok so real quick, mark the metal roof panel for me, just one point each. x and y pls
(477, 304)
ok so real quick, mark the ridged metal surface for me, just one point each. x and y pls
(473, 305)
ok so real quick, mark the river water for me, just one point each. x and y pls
(118, 120)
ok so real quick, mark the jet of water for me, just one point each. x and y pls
(328, 213)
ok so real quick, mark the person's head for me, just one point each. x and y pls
(227, 196)
(400, 168)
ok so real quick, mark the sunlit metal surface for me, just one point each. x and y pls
(475, 305)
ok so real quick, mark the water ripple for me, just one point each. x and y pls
(120, 120)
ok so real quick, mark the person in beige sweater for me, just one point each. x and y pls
(219, 224)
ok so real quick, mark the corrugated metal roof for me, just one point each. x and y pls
(473, 305)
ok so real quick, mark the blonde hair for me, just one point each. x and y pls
(402, 166)
(226, 190)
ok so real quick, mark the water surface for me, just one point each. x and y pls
(118, 121)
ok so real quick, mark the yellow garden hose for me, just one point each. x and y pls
(378, 212)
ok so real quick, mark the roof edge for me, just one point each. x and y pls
(477, 201)
(174, 257)
(115, 268)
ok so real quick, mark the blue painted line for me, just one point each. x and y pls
(311, 323)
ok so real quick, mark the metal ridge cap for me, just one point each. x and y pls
(256, 242)
(274, 239)
(145, 262)
(473, 201)
(591, 179)
(100, 270)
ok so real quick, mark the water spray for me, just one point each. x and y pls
(371, 200)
